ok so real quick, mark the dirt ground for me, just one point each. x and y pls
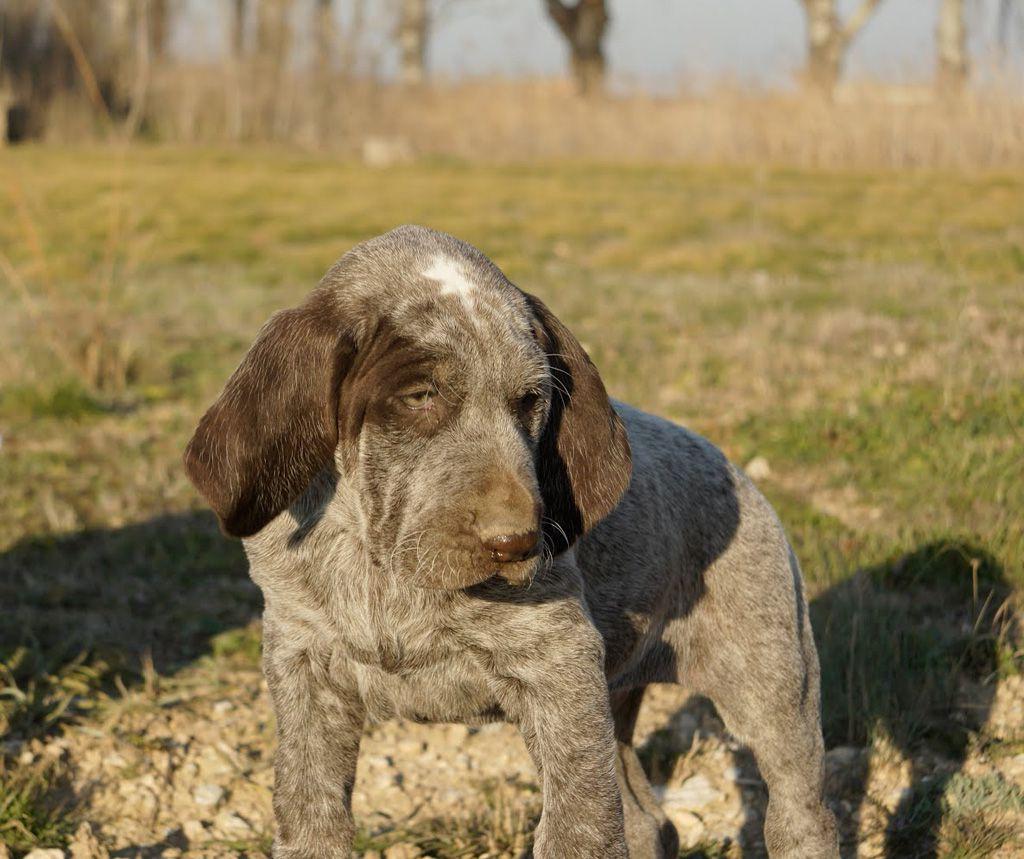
(189, 774)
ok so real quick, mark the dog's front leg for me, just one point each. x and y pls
(319, 725)
(567, 724)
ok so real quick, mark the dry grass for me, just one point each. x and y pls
(866, 127)
(863, 332)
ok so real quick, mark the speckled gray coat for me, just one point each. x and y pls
(450, 521)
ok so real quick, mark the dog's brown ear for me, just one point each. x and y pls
(275, 425)
(583, 460)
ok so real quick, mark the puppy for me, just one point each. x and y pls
(451, 521)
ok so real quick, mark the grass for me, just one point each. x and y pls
(500, 828)
(32, 814)
(863, 332)
(964, 817)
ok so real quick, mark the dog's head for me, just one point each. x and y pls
(470, 422)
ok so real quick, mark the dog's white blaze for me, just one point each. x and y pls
(453, 280)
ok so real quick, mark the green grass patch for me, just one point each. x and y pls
(66, 400)
(859, 331)
(964, 817)
(32, 811)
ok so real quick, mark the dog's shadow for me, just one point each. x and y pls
(899, 643)
(97, 606)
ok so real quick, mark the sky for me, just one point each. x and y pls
(658, 45)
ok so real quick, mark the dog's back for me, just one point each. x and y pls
(693, 557)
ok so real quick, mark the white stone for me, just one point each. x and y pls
(221, 709)
(230, 825)
(43, 853)
(695, 792)
(387, 151)
(208, 795)
(758, 468)
(689, 826)
(194, 831)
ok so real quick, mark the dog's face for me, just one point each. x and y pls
(472, 425)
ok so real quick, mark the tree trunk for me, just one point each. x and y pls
(238, 15)
(233, 101)
(824, 50)
(1003, 20)
(412, 41)
(828, 40)
(6, 103)
(583, 26)
(324, 48)
(951, 35)
(120, 44)
(159, 28)
(273, 54)
(323, 35)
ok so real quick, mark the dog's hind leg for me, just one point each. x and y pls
(649, 832)
(798, 825)
(764, 681)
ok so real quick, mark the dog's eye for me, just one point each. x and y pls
(527, 405)
(419, 399)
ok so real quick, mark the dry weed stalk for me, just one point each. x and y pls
(86, 336)
(865, 127)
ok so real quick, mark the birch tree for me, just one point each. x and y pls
(583, 24)
(951, 44)
(413, 26)
(829, 39)
(239, 13)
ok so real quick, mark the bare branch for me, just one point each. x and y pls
(861, 15)
(564, 16)
(140, 88)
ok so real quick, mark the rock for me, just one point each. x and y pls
(85, 845)
(1013, 769)
(194, 831)
(411, 747)
(116, 760)
(402, 851)
(685, 726)
(229, 825)
(694, 793)
(4, 852)
(386, 151)
(42, 853)
(845, 771)
(758, 468)
(55, 748)
(690, 827)
(208, 795)
(221, 709)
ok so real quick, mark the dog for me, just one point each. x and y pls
(451, 521)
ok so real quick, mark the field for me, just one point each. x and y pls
(856, 339)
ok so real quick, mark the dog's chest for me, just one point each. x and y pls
(450, 690)
(411, 668)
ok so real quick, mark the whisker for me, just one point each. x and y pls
(560, 529)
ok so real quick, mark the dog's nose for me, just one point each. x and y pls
(507, 548)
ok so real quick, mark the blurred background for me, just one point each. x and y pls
(796, 226)
(809, 83)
